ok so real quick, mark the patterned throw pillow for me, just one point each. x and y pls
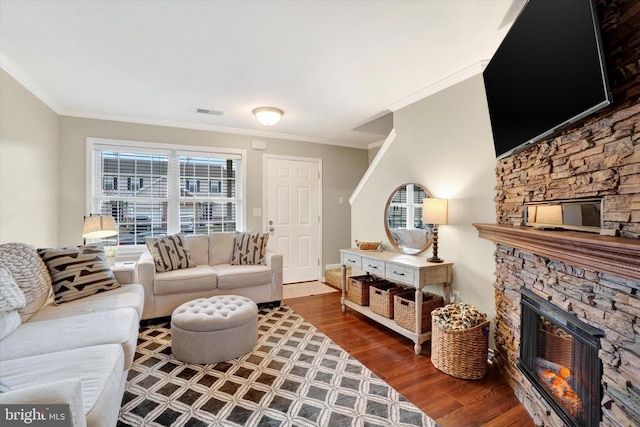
(169, 252)
(11, 296)
(78, 271)
(249, 248)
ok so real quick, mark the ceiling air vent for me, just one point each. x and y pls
(211, 112)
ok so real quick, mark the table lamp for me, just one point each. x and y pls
(436, 212)
(99, 226)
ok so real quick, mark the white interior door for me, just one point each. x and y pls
(293, 215)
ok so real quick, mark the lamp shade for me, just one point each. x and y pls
(435, 211)
(548, 214)
(268, 116)
(99, 226)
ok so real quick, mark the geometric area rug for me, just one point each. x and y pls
(294, 376)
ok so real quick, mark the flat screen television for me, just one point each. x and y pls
(548, 72)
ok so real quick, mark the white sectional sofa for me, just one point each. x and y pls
(76, 353)
(213, 275)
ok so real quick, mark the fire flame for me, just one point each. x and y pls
(556, 378)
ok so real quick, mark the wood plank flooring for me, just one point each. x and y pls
(450, 401)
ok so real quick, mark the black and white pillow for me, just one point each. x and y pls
(78, 271)
(249, 248)
(169, 252)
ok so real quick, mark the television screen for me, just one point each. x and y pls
(548, 72)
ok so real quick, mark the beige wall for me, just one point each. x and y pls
(444, 142)
(342, 170)
(28, 167)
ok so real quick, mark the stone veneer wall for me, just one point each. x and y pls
(606, 302)
(599, 157)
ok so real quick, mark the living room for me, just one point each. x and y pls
(442, 141)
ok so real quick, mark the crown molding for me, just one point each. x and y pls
(30, 84)
(444, 83)
(211, 128)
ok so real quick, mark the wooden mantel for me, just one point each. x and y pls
(618, 256)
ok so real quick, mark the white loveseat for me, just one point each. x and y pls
(213, 275)
(76, 353)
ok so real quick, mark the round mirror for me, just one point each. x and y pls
(403, 220)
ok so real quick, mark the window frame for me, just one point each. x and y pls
(93, 179)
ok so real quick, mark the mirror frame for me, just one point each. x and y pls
(388, 231)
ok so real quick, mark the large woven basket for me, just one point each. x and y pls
(460, 353)
(358, 288)
(381, 298)
(404, 309)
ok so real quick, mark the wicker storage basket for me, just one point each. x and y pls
(358, 288)
(381, 298)
(404, 309)
(460, 353)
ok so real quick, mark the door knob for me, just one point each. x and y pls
(271, 228)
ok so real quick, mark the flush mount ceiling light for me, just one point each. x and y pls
(268, 116)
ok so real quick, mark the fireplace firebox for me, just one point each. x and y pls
(559, 355)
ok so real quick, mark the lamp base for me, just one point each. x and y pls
(435, 259)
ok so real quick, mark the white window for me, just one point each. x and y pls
(153, 189)
(207, 208)
(405, 209)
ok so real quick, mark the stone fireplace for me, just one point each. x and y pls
(594, 279)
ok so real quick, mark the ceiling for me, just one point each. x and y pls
(335, 67)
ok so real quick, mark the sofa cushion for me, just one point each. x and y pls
(65, 333)
(131, 296)
(30, 274)
(99, 368)
(78, 271)
(11, 296)
(240, 276)
(249, 248)
(220, 248)
(198, 246)
(198, 278)
(169, 252)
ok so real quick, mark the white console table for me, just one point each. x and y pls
(409, 270)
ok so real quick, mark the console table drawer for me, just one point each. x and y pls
(351, 260)
(438, 275)
(400, 273)
(374, 266)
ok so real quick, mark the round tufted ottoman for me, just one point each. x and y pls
(212, 330)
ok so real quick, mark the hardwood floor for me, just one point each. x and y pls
(450, 401)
